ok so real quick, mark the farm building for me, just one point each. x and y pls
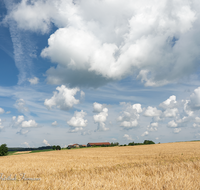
(98, 144)
(73, 146)
(83, 145)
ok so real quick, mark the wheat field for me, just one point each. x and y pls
(161, 166)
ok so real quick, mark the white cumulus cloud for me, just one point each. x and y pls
(137, 107)
(16, 121)
(145, 133)
(129, 124)
(188, 107)
(46, 142)
(34, 80)
(63, 99)
(129, 117)
(101, 119)
(110, 40)
(194, 102)
(2, 111)
(128, 137)
(97, 107)
(172, 124)
(54, 123)
(169, 103)
(152, 112)
(77, 123)
(29, 123)
(152, 127)
(170, 112)
(177, 130)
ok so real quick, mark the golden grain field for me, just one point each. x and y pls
(161, 166)
(22, 152)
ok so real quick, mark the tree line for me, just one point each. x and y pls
(130, 144)
(54, 147)
(144, 143)
(4, 149)
(29, 149)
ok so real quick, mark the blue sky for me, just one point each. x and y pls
(95, 71)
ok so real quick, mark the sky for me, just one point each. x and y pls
(79, 71)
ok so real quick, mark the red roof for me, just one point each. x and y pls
(100, 143)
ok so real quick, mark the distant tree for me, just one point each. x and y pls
(58, 147)
(3, 150)
(54, 147)
(124, 144)
(103, 145)
(116, 144)
(94, 145)
(131, 144)
(138, 144)
(148, 142)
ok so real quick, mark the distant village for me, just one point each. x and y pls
(92, 144)
(97, 144)
(105, 144)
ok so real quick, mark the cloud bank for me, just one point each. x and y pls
(154, 41)
(175, 114)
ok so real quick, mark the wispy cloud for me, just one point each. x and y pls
(21, 45)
